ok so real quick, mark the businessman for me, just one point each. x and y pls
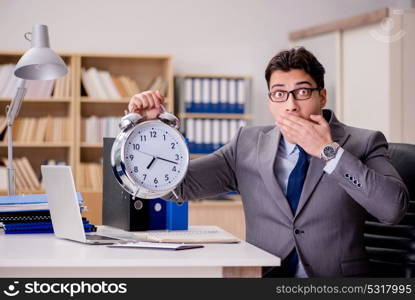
(307, 182)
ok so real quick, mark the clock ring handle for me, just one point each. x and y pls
(168, 118)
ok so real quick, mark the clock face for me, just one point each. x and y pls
(155, 156)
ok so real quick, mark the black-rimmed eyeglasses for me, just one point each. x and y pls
(298, 94)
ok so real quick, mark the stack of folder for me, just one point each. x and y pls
(215, 95)
(30, 214)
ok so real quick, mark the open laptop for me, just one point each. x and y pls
(64, 208)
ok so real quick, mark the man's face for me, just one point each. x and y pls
(294, 79)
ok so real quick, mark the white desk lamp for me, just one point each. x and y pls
(38, 63)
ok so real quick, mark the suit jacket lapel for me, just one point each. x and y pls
(267, 152)
(315, 170)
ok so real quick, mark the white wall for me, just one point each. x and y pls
(209, 36)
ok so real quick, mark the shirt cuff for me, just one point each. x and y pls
(331, 165)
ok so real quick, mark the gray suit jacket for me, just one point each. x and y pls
(327, 228)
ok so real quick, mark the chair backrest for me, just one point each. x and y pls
(403, 159)
(391, 248)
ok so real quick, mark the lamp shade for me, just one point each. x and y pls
(40, 62)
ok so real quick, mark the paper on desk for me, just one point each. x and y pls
(200, 235)
(149, 245)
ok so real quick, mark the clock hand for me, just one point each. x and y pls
(151, 162)
(145, 153)
(170, 161)
(173, 162)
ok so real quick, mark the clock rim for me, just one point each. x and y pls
(143, 192)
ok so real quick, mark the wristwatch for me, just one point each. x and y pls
(329, 151)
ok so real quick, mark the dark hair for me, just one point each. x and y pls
(296, 58)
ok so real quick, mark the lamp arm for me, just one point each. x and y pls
(12, 112)
(14, 108)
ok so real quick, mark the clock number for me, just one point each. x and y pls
(164, 137)
(135, 169)
(173, 145)
(143, 138)
(136, 146)
(177, 157)
(156, 181)
(131, 156)
(166, 177)
(145, 176)
(153, 134)
(174, 169)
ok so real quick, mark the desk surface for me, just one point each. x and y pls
(46, 255)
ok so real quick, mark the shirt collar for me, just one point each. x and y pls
(289, 147)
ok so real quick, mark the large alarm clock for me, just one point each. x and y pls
(149, 158)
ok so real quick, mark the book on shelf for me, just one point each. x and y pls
(96, 84)
(35, 89)
(90, 176)
(39, 88)
(26, 178)
(3, 127)
(8, 82)
(44, 129)
(159, 84)
(109, 86)
(101, 84)
(130, 85)
(94, 129)
(30, 173)
(63, 85)
(119, 86)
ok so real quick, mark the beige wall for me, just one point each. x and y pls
(210, 36)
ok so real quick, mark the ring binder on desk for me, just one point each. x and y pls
(119, 209)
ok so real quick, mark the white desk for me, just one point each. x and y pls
(43, 255)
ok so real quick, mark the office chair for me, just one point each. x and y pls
(391, 248)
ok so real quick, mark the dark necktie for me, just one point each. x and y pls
(294, 189)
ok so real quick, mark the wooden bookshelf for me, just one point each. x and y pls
(141, 68)
(38, 151)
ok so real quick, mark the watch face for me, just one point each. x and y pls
(329, 151)
(155, 156)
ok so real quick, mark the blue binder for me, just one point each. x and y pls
(177, 215)
(168, 215)
(157, 214)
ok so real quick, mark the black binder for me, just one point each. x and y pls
(119, 209)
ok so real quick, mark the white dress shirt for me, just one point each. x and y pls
(287, 156)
